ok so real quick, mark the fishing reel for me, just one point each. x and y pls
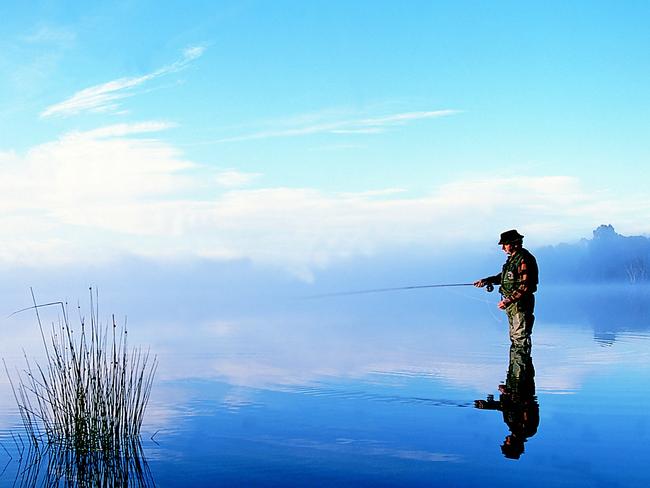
(489, 287)
(489, 404)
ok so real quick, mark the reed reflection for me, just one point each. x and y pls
(517, 402)
(58, 465)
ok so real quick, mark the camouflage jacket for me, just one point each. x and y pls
(519, 276)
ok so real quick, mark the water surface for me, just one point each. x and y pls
(380, 390)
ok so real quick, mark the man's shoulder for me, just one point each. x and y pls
(526, 254)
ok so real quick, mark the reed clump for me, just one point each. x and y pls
(91, 393)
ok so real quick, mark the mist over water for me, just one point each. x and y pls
(260, 384)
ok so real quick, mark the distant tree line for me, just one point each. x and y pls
(607, 257)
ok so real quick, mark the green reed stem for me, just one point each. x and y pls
(91, 394)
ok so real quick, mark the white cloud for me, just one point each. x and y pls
(403, 118)
(118, 130)
(106, 96)
(371, 125)
(56, 195)
(51, 34)
(111, 191)
(232, 178)
(193, 52)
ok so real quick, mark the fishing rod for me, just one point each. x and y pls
(489, 287)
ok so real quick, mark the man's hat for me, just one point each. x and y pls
(512, 447)
(510, 236)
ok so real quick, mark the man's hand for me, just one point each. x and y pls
(503, 304)
(480, 283)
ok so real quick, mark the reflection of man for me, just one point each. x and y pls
(518, 280)
(517, 401)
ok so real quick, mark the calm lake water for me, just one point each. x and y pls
(377, 390)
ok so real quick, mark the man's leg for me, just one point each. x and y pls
(521, 372)
(521, 325)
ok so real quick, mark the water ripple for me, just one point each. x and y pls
(356, 395)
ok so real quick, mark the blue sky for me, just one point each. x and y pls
(297, 134)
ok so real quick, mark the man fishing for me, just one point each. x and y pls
(518, 280)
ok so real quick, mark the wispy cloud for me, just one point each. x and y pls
(51, 34)
(366, 125)
(232, 178)
(120, 130)
(106, 96)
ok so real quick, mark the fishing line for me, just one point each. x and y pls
(382, 290)
(489, 288)
(489, 304)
